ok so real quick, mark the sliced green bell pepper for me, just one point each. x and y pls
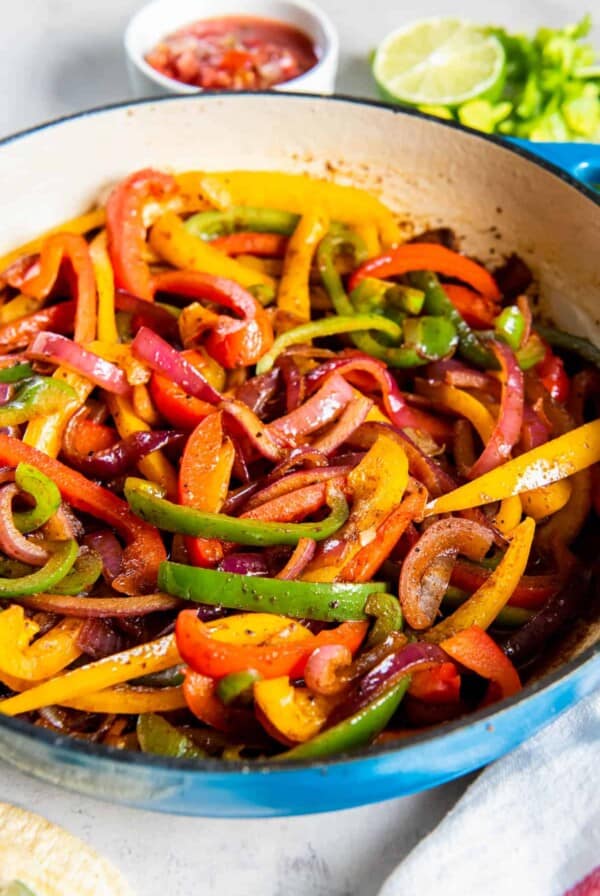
(36, 396)
(388, 617)
(335, 602)
(354, 732)
(45, 578)
(43, 491)
(15, 373)
(237, 685)
(531, 353)
(156, 735)
(327, 326)
(374, 295)
(208, 225)
(145, 500)
(438, 304)
(85, 573)
(575, 344)
(510, 326)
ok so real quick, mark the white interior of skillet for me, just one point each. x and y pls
(431, 174)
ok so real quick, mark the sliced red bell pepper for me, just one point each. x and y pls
(477, 311)
(233, 342)
(551, 371)
(475, 649)
(126, 231)
(441, 684)
(19, 333)
(266, 245)
(73, 249)
(531, 593)
(203, 481)
(145, 550)
(428, 257)
(294, 505)
(278, 656)
(183, 411)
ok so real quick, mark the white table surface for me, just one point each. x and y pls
(60, 56)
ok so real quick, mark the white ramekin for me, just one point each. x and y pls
(162, 17)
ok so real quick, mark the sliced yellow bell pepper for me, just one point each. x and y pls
(293, 295)
(256, 628)
(377, 485)
(191, 197)
(154, 466)
(46, 433)
(46, 657)
(509, 514)
(300, 193)
(128, 700)
(566, 523)
(546, 500)
(562, 457)
(367, 231)
(293, 715)
(143, 406)
(80, 224)
(171, 241)
(272, 267)
(105, 287)
(461, 403)
(18, 307)
(117, 669)
(484, 605)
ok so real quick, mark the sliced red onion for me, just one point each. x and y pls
(244, 564)
(100, 607)
(295, 387)
(257, 391)
(294, 481)
(266, 442)
(303, 456)
(510, 416)
(97, 639)
(301, 557)
(150, 314)
(455, 373)
(12, 542)
(534, 432)
(107, 545)
(117, 460)
(322, 408)
(66, 353)
(428, 566)
(352, 417)
(6, 391)
(160, 356)
(324, 664)
(386, 673)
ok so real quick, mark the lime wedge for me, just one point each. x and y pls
(439, 62)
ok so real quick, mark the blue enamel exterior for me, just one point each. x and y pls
(214, 788)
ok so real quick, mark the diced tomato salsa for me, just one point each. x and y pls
(234, 53)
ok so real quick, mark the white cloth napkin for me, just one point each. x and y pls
(529, 824)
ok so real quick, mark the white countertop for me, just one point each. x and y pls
(58, 57)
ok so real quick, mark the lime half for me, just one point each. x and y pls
(439, 62)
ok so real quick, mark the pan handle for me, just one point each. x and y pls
(580, 160)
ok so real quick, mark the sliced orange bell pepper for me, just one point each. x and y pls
(203, 481)
(290, 714)
(201, 698)
(126, 231)
(145, 549)
(377, 485)
(270, 245)
(482, 607)
(277, 654)
(293, 295)
(363, 566)
(474, 649)
(477, 311)
(72, 248)
(177, 407)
